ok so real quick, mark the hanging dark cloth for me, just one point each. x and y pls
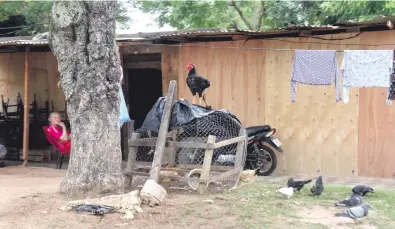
(391, 95)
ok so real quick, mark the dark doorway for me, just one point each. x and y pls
(145, 87)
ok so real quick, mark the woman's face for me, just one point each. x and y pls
(54, 119)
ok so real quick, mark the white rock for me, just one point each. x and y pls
(152, 193)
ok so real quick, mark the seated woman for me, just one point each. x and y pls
(57, 130)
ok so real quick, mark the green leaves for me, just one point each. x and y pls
(37, 15)
(219, 14)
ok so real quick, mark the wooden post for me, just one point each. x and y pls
(205, 176)
(164, 127)
(240, 153)
(131, 159)
(240, 150)
(26, 109)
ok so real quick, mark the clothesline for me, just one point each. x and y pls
(230, 47)
(271, 49)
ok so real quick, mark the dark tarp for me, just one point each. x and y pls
(183, 113)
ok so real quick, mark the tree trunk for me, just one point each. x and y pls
(83, 41)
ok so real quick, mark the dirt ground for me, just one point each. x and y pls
(29, 200)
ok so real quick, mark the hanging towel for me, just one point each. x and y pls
(392, 87)
(123, 109)
(366, 68)
(314, 67)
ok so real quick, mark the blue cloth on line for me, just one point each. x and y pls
(314, 67)
(123, 109)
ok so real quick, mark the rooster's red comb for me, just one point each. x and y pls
(190, 63)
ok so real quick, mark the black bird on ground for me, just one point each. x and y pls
(318, 188)
(362, 190)
(298, 185)
(353, 200)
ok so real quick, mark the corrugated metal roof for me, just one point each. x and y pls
(207, 34)
(26, 41)
(23, 42)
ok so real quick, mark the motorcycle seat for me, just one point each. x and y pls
(252, 130)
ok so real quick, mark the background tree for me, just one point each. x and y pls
(261, 15)
(83, 41)
(31, 17)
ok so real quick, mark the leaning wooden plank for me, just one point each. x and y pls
(164, 127)
(228, 142)
(205, 175)
(240, 152)
(131, 159)
(224, 175)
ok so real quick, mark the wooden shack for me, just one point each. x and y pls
(250, 76)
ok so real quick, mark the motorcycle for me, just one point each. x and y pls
(260, 155)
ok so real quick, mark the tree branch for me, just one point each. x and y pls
(233, 3)
(258, 15)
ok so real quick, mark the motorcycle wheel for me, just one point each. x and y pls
(266, 159)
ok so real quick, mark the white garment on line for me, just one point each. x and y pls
(366, 68)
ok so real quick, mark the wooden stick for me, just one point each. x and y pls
(205, 176)
(190, 145)
(164, 126)
(224, 175)
(229, 142)
(240, 152)
(131, 160)
(26, 109)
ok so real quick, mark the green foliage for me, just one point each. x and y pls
(190, 14)
(37, 15)
(340, 11)
(193, 14)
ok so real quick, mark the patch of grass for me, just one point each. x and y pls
(257, 205)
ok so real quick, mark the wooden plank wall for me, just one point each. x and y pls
(319, 135)
(169, 66)
(44, 78)
(376, 121)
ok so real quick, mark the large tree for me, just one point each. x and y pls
(261, 15)
(83, 41)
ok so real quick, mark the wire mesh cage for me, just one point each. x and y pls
(201, 144)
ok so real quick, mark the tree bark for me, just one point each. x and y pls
(83, 41)
(255, 22)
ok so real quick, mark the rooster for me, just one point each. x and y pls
(197, 84)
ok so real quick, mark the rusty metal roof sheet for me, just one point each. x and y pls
(207, 34)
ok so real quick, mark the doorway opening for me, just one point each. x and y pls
(145, 87)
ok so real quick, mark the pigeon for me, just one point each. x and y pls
(362, 190)
(353, 200)
(286, 191)
(95, 209)
(355, 212)
(297, 184)
(318, 188)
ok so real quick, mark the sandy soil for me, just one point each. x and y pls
(29, 200)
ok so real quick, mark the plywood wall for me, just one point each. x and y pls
(43, 82)
(169, 66)
(319, 134)
(376, 121)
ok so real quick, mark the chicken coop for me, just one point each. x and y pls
(185, 146)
